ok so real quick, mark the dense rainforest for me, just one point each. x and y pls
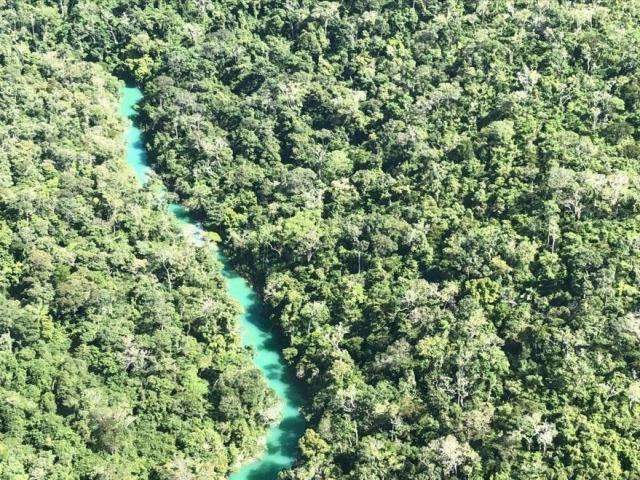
(439, 202)
(119, 356)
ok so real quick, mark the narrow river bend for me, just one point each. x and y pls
(282, 438)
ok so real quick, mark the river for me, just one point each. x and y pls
(256, 333)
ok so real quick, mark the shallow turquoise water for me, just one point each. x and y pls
(282, 438)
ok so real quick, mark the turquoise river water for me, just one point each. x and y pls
(282, 438)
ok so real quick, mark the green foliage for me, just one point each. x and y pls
(118, 354)
(439, 201)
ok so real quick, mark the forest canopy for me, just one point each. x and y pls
(439, 202)
(119, 353)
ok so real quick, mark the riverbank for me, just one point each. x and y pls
(256, 333)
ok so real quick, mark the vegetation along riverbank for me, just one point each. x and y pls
(436, 203)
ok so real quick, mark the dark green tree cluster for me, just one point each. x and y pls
(439, 201)
(119, 355)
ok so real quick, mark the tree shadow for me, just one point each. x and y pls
(265, 471)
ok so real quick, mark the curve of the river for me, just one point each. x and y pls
(282, 438)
